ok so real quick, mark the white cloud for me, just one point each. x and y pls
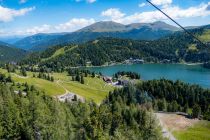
(113, 13)
(38, 29)
(161, 2)
(74, 24)
(208, 8)
(91, 1)
(2, 31)
(88, 1)
(22, 1)
(142, 4)
(7, 14)
(151, 16)
(70, 26)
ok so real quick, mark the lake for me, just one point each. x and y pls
(193, 74)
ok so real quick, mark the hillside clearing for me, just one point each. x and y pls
(205, 36)
(184, 128)
(199, 131)
(94, 88)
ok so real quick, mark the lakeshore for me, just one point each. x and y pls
(192, 74)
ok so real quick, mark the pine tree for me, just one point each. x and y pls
(82, 80)
(52, 79)
(86, 74)
(196, 112)
(78, 78)
(93, 74)
(23, 72)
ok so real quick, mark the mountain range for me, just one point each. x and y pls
(175, 48)
(137, 31)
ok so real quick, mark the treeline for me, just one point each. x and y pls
(79, 74)
(166, 95)
(10, 54)
(5, 79)
(132, 75)
(207, 65)
(37, 116)
(44, 76)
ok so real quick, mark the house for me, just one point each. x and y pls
(123, 82)
(88, 63)
(20, 92)
(70, 97)
(138, 61)
(134, 61)
(165, 61)
(107, 79)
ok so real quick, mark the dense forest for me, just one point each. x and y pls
(171, 96)
(127, 113)
(9, 53)
(37, 116)
(175, 48)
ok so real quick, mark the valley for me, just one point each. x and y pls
(104, 70)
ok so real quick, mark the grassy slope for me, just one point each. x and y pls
(192, 47)
(50, 88)
(58, 52)
(93, 89)
(200, 131)
(205, 36)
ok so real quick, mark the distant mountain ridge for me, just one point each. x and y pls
(175, 48)
(9, 53)
(139, 31)
(110, 26)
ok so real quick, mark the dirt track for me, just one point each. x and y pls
(171, 122)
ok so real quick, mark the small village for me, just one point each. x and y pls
(119, 80)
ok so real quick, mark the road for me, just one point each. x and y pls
(166, 133)
(66, 91)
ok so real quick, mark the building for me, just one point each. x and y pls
(123, 82)
(70, 97)
(107, 79)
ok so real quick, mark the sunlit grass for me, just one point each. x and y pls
(93, 89)
(200, 131)
(205, 36)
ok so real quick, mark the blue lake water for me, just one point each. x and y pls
(193, 74)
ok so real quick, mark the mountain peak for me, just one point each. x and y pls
(163, 25)
(103, 26)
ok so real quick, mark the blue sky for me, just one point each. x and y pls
(25, 17)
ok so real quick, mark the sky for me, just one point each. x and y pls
(27, 17)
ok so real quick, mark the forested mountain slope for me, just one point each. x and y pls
(179, 47)
(9, 53)
(37, 40)
(37, 116)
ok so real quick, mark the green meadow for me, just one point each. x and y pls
(93, 89)
(200, 131)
